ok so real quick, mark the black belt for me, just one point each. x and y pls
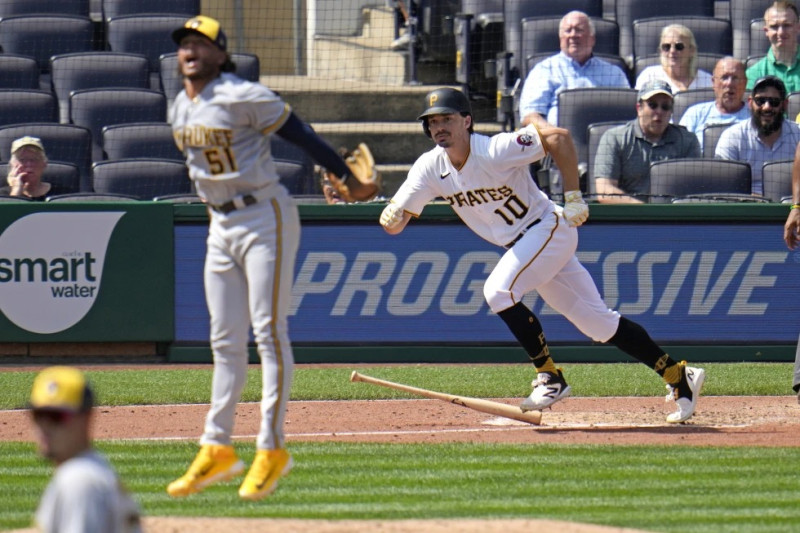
(230, 206)
(521, 233)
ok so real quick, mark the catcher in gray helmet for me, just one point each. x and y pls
(488, 184)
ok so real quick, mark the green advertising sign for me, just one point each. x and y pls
(86, 272)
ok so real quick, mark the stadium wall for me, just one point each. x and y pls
(708, 281)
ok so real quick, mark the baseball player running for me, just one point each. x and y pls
(488, 184)
(223, 125)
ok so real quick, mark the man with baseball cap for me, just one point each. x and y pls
(224, 124)
(84, 494)
(767, 136)
(622, 165)
(25, 168)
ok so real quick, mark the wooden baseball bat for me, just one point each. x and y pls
(484, 406)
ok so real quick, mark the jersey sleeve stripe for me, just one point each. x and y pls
(275, 126)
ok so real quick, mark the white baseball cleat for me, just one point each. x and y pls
(686, 393)
(548, 388)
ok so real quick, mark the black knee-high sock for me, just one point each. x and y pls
(528, 331)
(632, 339)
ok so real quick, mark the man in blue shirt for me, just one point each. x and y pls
(767, 136)
(728, 106)
(573, 67)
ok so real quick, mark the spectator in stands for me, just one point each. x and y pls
(407, 12)
(573, 67)
(85, 493)
(728, 106)
(678, 50)
(622, 164)
(767, 136)
(781, 27)
(25, 168)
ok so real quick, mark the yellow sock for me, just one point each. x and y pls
(548, 366)
(673, 374)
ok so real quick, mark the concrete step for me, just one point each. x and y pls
(390, 142)
(324, 100)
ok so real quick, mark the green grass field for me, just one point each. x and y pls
(670, 489)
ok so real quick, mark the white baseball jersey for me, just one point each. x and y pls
(222, 134)
(85, 496)
(493, 192)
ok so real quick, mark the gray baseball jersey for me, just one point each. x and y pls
(85, 496)
(225, 134)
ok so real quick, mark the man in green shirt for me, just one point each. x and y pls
(781, 27)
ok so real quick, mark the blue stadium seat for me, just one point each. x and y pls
(142, 178)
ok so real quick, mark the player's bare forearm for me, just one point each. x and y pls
(558, 143)
(792, 226)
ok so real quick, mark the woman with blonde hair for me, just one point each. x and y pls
(678, 67)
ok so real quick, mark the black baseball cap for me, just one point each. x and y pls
(770, 81)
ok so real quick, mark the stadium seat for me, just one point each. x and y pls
(713, 36)
(64, 143)
(63, 177)
(295, 167)
(540, 34)
(627, 11)
(478, 29)
(248, 67)
(593, 134)
(577, 108)
(752, 60)
(759, 44)
(117, 8)
(90, 70)
(4, 198)
(142, 178)
(742, 12)
(96, 108)
(10, 8)
(19, 72)
(43, 36)
(91, 197)
(683, 100)
(27, 105)
(777, 176)
(149, 35)
(793, 108)
(515, 11)
(677, 178)
(711, 135)
(140, 139)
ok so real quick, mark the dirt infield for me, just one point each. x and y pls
(719, 421)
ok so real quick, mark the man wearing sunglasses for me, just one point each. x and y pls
(782, 28)
(84, 494)
(767, 136)
(622, 164)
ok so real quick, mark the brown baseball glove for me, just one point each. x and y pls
(363, 183)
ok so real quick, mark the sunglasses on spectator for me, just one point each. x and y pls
(665, 47)
(655, 105)
(53, 417)
(773, 101)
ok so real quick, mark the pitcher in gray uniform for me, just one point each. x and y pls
(223, 125)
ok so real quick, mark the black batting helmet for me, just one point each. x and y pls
(444, 101)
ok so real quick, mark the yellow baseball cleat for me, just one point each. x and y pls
(214, 463)
(267, 468)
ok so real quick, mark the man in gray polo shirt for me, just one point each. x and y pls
(622, 164)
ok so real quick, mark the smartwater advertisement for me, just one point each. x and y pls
(685, 282)
(86, 274)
